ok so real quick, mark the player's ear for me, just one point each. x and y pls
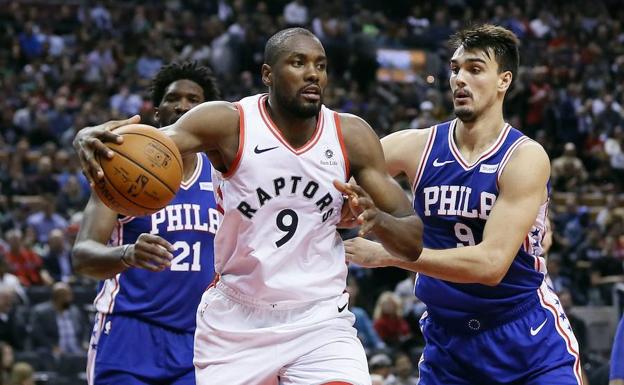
(156, 115)
(267, 75)
(504, 81)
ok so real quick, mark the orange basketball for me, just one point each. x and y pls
(145, 173)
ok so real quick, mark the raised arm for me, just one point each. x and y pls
(395, 223)
(522, 192)
(210, 126)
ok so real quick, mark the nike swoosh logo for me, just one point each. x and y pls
(341, 308)
(437, 163)
(535, 331)
(261, 150)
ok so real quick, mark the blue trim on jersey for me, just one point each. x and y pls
(189, 222)
(453, 200)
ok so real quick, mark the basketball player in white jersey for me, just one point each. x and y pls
(279, 312)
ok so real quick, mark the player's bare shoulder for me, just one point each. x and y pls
(528, 167)
(403, 150)
(360, 140)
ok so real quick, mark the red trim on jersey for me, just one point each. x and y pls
(562, 332)
(113, 294)
(278, 134)
(508, 155)
(337, 383)
(241, 142)
(214, 281)
(424, 157)
(198, 167)
(458, 156)
(219, 192)
(342, 145)
(220, 209)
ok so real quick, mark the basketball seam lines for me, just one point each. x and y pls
(122, 194)
(142, 168)
(164, 144)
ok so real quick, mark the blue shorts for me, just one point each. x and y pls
(126, 350)
(535, 348)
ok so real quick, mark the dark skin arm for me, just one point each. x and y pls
(92, 257)
(381, 205)
(210, 127)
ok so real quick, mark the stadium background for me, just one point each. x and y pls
(69, 64)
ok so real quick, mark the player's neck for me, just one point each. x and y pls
(476, 136)
(189, 162)
(297, 131)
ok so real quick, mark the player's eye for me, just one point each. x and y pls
(455, 70)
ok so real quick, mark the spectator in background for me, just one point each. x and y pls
(7, 360)
(380, 365)
(568, 172)
(25, 263)
(57, 258)
(388, 319)
(363, 324)
(12, 326)
(125, 103)
(403, 371)
(72, 197)
(43, 182)
(58, 326)
(296, 13)
(556, 282)
(607, 271)
(22, 374)
(10, 281)
(46, 219)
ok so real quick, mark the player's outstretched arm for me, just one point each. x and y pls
(381, 204)
(92, 256)
(522, 192)
(208, 126)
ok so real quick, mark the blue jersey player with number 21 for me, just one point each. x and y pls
(481, 189)
(155, 268)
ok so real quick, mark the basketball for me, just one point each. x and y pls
(145, 173)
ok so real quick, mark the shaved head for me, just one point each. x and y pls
(275, 46)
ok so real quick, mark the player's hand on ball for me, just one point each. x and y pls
(150, 252)
(364, 252)
(90, 141)
(362, 205)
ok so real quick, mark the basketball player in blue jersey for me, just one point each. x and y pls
(616, 375)
(279, 310)
(481, 188)
(155, 268)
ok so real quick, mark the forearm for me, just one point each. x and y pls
(401, 236)
(459, 265)
(98, 261)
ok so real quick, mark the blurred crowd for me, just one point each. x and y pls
(65, 65)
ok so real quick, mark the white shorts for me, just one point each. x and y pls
(240, 340)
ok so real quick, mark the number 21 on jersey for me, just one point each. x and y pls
(178, 263)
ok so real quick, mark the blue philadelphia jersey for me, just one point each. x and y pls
(169, 298)
(454, 198)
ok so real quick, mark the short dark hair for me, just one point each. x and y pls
(274, 46)
(189, 70)
(501, 41)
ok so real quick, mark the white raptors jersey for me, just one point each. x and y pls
(278, 241)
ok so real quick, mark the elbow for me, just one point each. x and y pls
(78, 260)
(495, 271)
